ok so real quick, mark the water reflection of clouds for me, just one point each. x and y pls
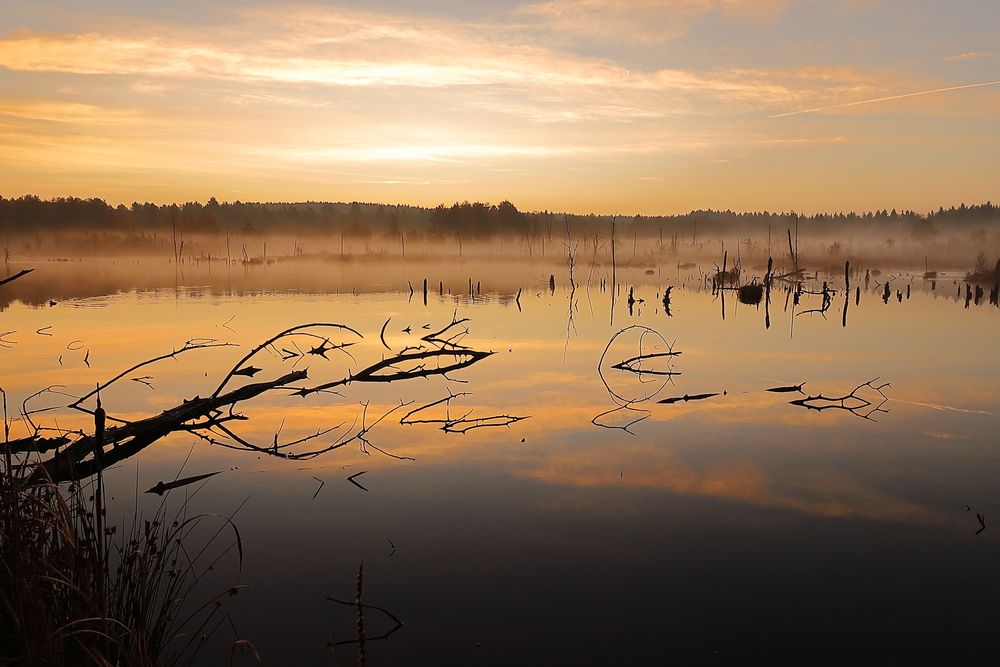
(557, 453)
(747, 447)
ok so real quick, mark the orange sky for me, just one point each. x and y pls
(629, 106)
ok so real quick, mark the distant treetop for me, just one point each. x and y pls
(468, 219)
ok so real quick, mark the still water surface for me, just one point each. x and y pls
(734, 529)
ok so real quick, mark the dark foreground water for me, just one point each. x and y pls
(734, 528)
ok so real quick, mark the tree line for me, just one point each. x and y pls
(31, 214)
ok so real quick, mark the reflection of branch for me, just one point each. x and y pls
(852, 402)
(215, 432)
(462, 424)
(827, 295)
(26, 413)
(357, 603)
(194, 344)
(596, 421)
(571, 249)
(270, 341)
(452, 338)
(633, 365)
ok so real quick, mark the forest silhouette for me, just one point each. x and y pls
(469, 219)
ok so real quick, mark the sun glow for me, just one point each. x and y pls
(336, 103)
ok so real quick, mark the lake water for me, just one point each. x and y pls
(733, 529)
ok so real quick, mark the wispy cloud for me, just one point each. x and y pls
(459, 58)
(350, 48)
(467, 96)
(74, 113)
(642, 21)
(149, 88)
(407, 99)
(971, 55)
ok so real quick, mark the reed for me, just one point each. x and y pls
(76, 589)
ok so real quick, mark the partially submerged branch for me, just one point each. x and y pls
(634, 365)
(855, 402)
(77, 455)
(20, 274)
(126, 440)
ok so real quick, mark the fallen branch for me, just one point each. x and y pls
(853, 402)
(19, 274)
(76, 455)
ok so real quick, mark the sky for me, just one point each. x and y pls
(630, 106)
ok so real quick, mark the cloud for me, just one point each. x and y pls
(464, 64)
(820, 492)
(971, 55)
(67, 112)
(412, 91)
(149, 88)
(507, 75)
(639, 21)
(311, 91)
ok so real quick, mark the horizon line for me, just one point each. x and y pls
(320, 202)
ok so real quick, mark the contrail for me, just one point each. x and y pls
(885, 99)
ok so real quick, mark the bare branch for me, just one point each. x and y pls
(194, 344)
(272, 340)
(78, 455)
(854, 402)
(19, 274)
(462, 424)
